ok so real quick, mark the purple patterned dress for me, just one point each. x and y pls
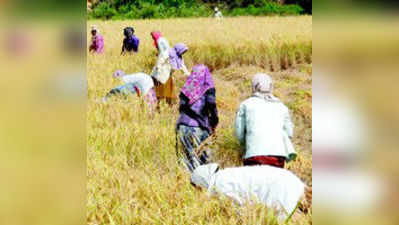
(198, 115)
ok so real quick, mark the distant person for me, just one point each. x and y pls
(218, 14)
(131, 42)
(97, 41)
(277, 188)
(18, 42)
(263, 125)
(140, 84)
(168, 59)
(198, 115)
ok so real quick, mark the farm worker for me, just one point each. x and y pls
(176, 57)
(97, 41)
(198, 115)
(137, 83)
(277, 188)
(168, 59)
(218, 14)
(131, 42)
(263, 125)
(19, 43)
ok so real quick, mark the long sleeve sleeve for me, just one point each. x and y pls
(240, 125)
(212, 108)
(163, 45)
(162, 57)
(136, 44)
(163, 52)
(288, 125)
(185, 70)
(130, 78)
(99, 44)
(92, 44)
(157, 71)
(163, 67)
(182, 102)
(123, 46)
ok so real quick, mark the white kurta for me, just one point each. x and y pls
(142, 80)
(162, 68)
(277, 188)
(265, 128)
(218, 15)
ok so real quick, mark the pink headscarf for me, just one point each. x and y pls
(198, 83)
(156, 35)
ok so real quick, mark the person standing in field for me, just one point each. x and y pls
(218, 14)
(198, 115)
(131, 42)
(168, 60)
(97, 41)
(263, 125)
(138, 83)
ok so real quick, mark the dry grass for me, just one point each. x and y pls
(133, 176)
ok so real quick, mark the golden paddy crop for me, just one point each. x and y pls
(133, 176)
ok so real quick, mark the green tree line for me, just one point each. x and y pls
(142, 9)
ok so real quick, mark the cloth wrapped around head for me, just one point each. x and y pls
(176, 55)
(199, 81)
(119, 74)
(94, 28)
(128, 31)
(202, 175)
(156, 35)
(262, 86)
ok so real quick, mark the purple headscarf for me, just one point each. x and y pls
(119, 74)
(176, 55)
(198, 83)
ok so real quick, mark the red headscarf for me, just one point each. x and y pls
(156, 35)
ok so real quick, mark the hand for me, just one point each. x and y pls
(213, 129)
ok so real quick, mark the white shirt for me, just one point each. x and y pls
(142, 80)
(162, 68)
(277, 188)
(265, 128)
(218, 15)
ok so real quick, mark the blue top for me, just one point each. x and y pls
(131, 44)
(202, 113)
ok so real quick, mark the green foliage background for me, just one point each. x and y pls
(144, 9)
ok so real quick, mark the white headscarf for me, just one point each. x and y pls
(202, 175)
(94, 27)
(262, 87)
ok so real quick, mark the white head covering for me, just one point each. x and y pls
(94, 27)
(202, 175)
(262, 86)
